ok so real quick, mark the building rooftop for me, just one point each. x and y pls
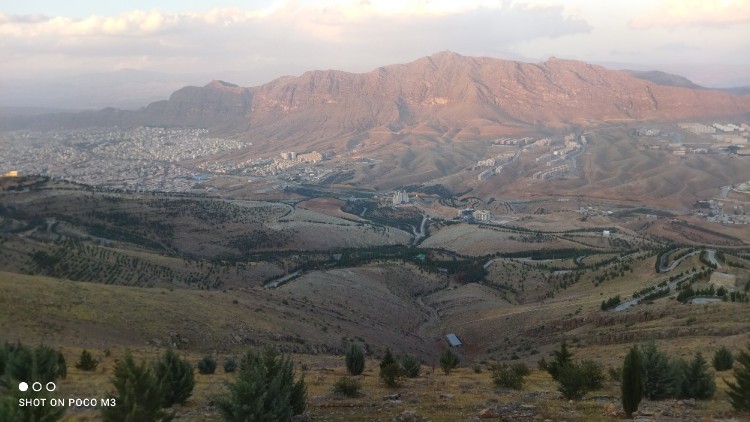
(453, 340)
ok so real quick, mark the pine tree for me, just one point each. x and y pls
(632, 384)
(86, 362)
(659, 379)
(138, 394)
(449, 361)
(355, 359)
(176, 378)
(723, 359)
(412, 365)
(697, 381)
(265, 390)
(562, 357)
(739, 390)
(390, 371)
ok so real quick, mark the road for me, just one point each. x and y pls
(663, 269)
(418, 235)
(632, 302)
(279, 281)
(711, 256)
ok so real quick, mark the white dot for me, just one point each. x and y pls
(23, 386)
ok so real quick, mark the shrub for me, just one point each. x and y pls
(86, 362)
(176, 378)
(660, 377)
(696, 380)
(230, 365)
(632, 383)
(138, 394)
(739, 390)
(355, 359)
(265, 390)
(390, 371)
(563, 357)
(207, 365)
(504, 376)
(449, 361)
(412, 365)
(572, 382)
(723, 359)
(521, 369)
(347, 386)
(593, 374)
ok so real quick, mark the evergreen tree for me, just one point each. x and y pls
(390, 371)
(723, 359)
(138, 394)
(697, 381)
(739, 390)
(412, 365)
(562, 357)
(449, 361)
(265, 390)
(176, 378)
(571, 382)
(21, 363)
(355, 359)
(86, 362)
(659, 378)
(632, 384)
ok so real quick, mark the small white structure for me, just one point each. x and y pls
(606, 233)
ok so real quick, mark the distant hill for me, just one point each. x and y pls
(664, 79)
(445, 94)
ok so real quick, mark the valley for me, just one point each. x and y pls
(516, 206)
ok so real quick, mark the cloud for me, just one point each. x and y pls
(680, 13)
(348, 34)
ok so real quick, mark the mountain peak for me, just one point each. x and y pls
(221, 84)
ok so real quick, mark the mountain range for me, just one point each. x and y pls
(444, 94)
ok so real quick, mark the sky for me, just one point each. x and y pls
(256, 40)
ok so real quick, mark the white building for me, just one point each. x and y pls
(482, 215)
(400, 197)
(697, 128)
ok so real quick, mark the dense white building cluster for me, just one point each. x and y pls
(141, 158)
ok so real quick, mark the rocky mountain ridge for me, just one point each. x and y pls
(444, 94)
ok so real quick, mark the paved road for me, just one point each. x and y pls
(279, 281)
(632, 302)
(663, 269)
(418, 235)
(711, 255)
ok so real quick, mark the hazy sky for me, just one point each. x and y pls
(259, 37)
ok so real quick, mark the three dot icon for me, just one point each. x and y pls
(37, 386)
